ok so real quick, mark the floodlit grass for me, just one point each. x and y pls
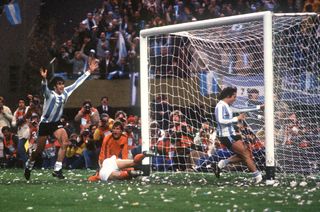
(159, 192)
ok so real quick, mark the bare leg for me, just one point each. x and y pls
(122, 164)
(62, 137)
(240, 149)
(234, 159)
(41, 142)
(195, 156)
(30, 163)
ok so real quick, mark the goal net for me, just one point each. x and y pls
(185, 66)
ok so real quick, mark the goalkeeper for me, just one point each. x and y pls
(119, 169)
(227, 135)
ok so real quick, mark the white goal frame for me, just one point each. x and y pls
(266, 17)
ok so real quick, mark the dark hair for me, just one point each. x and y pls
(87, 102)
(104, 97)
(119, 112)
(55, 80)
(5, 128)
(227, 92)
(118, 123)
(21, 99)
(253, 90)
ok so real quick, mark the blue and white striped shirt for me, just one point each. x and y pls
(225, 119)
(54, 103)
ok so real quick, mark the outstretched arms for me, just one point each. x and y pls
(92, 67)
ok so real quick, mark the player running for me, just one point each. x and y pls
(54, 101)
(227, 135)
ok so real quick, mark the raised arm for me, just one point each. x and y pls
(44, 82)
(92, 67)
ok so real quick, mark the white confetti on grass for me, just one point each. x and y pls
(303, 183)
(293, 184)
(30, 208)
(100, 198)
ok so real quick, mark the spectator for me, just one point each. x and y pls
(74, 153)
(89, 22)
(161, 145)
(2, 154)
(10, 142)
(102, 46)
(181, 135)
(19, 115)
(70, 48)
(87, 116)
(133, 141)
(5, 114)
(23, 131)
(49, 154)
(35, 107)
(254, 117)
(104, 129)
(89, 152)
(78, 64)
(161, 111)
(107, 65)
(104, 107)
(121, 71)
(33, 135)
(114, 144)
(121, 116)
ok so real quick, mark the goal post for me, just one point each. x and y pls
(188, 64)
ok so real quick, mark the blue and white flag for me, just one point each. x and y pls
(122, 47)
(13, 13)
(244, 85)
(208, 83)
(134, 81)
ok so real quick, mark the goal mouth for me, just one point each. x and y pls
(272, 60)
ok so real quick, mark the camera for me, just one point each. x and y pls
(73, 142)
(87, 108)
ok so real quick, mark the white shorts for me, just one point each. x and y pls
(109, 165)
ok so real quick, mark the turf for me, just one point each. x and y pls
(159, 192)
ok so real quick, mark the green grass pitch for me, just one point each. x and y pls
(158, 192)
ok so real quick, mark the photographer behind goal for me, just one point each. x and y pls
(87, 115)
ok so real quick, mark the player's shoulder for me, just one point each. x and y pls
(220, 104)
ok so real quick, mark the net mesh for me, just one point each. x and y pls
(187, 70)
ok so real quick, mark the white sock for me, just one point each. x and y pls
(58, 166)
(30, 164)
(256, 173)
(223, 163)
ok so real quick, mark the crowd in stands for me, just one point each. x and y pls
(111, 33)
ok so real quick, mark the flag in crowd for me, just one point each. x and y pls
(12, 11)
(208, 83)
(134, 80)
(122, 47)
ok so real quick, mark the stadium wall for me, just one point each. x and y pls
(14, 43)
(119, 92)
